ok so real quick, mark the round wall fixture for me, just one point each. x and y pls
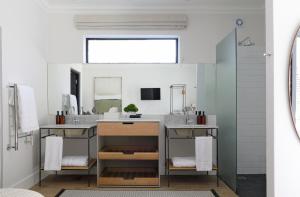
(239, 22)
(293, 82)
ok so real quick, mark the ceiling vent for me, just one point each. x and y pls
(137, 22)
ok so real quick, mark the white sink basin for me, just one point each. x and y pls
(190, 126)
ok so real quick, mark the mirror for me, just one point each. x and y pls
(99, 87)
(294, 82)
(108, 94)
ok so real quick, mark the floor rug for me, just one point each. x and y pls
(95, 193)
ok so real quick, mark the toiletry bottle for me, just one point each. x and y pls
(199, 117)
(57, 118)
(204, 118)
(62, 118)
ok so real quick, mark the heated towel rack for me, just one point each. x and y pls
(14, 104)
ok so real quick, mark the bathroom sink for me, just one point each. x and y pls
(189, 126)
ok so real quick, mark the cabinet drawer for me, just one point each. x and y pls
(126, 156)
(128, 129)
(112, 181)
(129, 177)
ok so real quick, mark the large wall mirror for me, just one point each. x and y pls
(96, 88)
(294, 82)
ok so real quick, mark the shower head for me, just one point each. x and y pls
(246, 42)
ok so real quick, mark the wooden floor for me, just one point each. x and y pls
(53, 184)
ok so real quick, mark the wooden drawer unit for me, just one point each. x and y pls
(128, 129)
(129, 177)
(128, 153)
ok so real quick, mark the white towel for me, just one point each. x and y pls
(27, 113)
(53, 153)
(75, 161)
(184, 161)
(65, 102)
(203, 150)
(73, 105)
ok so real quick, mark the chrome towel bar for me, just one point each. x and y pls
(16, 120)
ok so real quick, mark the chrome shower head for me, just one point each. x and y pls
(246, 42)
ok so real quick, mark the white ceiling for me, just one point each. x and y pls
(167, 4)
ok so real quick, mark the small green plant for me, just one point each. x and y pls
(131, 108)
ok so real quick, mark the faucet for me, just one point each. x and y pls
(187, 115)
(76, 120)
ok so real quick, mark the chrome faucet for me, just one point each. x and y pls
(187, 115)
(76, 120)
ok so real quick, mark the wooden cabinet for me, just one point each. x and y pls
(128, 154)
(128, 129)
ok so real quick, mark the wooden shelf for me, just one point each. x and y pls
(92, 162)
(129, 177)
(128, 153)
(128, 129)
(173, 168)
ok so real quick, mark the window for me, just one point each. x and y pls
(131, 50)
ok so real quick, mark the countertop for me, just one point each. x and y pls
(129, 120)
(69, 126)
(186, 126)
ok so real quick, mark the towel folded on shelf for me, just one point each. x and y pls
(203, 150)
(75, 161)
(53, 153)
(27, 111)
(184, 161)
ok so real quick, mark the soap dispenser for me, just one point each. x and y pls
(199, 117)
(57, 118)
(62, 118)
(203, 118)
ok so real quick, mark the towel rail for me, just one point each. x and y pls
(16, 120)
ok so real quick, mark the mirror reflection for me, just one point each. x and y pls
(108, 94)
(294, 82)
(99, 88)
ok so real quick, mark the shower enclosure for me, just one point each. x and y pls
(240, 107)
(226, 107)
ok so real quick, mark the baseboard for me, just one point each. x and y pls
(28, 181)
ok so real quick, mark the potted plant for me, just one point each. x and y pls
(131, 109)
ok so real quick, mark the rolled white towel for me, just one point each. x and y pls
(184, 161)
(74, 161)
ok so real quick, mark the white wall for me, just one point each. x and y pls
(1, 124)
(251, 112)
(198, 42)
(24, 25)
(283, 145)
(138, 76)
(270, 167)
(59, 84)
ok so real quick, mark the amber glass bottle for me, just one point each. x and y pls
(62, 118)
(57, 118)
(199, 117)
(203, 118)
